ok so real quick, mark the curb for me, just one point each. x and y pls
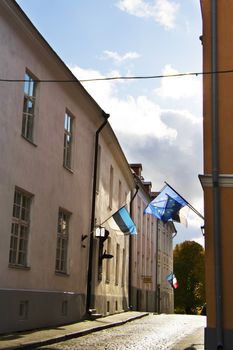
(58, 339)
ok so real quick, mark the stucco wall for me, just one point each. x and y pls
(38, 168)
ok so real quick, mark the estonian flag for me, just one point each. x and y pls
(121, 221)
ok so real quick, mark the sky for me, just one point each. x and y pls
(158, 122)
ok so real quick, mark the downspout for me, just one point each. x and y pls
(130, 252)
(89, 274)
(215, 175)
(156, 266)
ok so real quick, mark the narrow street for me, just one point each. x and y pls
(160, 332)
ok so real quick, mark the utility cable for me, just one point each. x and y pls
(118, 78)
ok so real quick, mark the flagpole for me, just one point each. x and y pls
(188, 204)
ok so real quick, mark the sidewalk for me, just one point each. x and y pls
(36, 338)
(193, 341)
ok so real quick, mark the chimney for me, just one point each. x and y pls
(137, 168)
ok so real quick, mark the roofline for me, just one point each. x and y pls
(16, 8)
(13, 3)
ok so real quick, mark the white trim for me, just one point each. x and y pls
(39, 291)
(225, 180)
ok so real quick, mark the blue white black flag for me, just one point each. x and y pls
(121, 221)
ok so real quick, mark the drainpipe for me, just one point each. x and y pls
(156, 267)
(215, 176)
(130, 252)
(89, 274)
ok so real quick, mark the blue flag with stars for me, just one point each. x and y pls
(166, 205)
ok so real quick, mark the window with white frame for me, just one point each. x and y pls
(68, 139)
(29, 106)
(123, 267)
(117, 263)
(62, 240)
(111, 186)
(98, 170)
(108, 262)
(119, 194)
(20, 228)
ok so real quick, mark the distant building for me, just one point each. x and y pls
(151, 253)
(217, 180)
(165, 266)
(114, 183)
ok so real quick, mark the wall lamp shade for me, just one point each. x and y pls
(100, 232)
(106, 256)
(203, 230)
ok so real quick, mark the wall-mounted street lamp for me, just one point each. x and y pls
(102, 234)
(203, 230)
(83, 237)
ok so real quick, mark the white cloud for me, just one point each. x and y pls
(162, 11)
(136, 115)
(117, 58)
(178, 87)
(168, 142)
(200, 240)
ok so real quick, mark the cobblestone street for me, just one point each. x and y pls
(158, 332)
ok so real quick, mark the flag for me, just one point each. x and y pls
(166, 205)
(121, 221)
(181, 216)
(171, 278)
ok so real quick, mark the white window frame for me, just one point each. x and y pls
(20, 229)
(62, 241)
(30, 87)
(108, 262)
(111, 179)
(117, 264)
(68, 140)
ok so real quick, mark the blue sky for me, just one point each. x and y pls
(158, 122)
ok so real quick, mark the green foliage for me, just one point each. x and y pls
(189, 268)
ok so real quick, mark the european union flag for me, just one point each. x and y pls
(166, 205)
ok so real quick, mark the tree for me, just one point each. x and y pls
(189, 268)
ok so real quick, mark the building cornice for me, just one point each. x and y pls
(225, 180)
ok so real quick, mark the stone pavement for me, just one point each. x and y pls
(35, 338)
(194, 341)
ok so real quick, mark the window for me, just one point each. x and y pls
(123, 268)
(117, 264)
(109, 245)
(98, 170)
(64, 308)
(62, 241)
(23, 310)
(68, 126)
(111, 187)
(119, 194)
(20, 229)
(29, 106)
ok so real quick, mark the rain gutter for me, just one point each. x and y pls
(90, 262)
(215, 175)
(130, 253)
